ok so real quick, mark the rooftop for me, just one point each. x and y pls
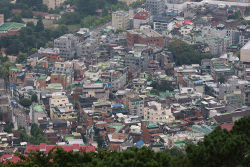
(8, 26)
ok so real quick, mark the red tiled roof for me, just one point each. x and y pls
(138, 16)
(64, 147)
(227, 126)
(178, 25)
(143, 12)
(10, 157)
(17, 11)
(150, 71)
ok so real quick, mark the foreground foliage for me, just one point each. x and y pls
(221, 148)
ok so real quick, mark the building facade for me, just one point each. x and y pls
(120, 20)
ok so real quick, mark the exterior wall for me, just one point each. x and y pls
(120, 20)
(1, 19)
(67, 45)
(245, 55)
(52, 4)
(138, 22)
(59, 78)
(59, 101)
(137, 39)
(158, 6)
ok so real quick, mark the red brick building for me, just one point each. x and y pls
(59, 78)
(51, 54)
(144, 36)
(150, 131)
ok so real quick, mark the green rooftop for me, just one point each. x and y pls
(117, 127)
(98, 82)
(76, 134)
(42, 77)
(38, 108)
(179, 143)
(8, 26)
(68, 137)
(152, 125)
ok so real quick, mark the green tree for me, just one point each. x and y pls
(50, 44)
(99, 140)
(25, 102)
(39, 26)
(22, 57)
(17, 18)
(7, 64)
(221, 79)
(33, 51)
(219, 148)
(118, 31)
(63, 28)
(7, 127)
(34, 98)
(23, 13)
(29, 13)
(154, 92)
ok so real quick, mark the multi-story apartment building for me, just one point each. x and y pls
(93, 73)
(216, 45)
(64, 68)
(140, 19)
(51, 54)
(186, 29)
(144, 35)
(120, 20)
(158, 6)
(180, 72)
(151, 131)
(245, 53)
(99, 88)
(244, 37)
(59, 78)
(167, 60)
(205, 66)
(52, 4)
(86, 100)
(117, 78)
(67, 45)
(87, 47)
(245, 96)
(63, 112)
(16, 74)
(156, 112)
(229, 87)
(163, 24)
(136, 107)
(58, 99)
(234, 98)
(139, 59)
(219, 32)
(219, 68)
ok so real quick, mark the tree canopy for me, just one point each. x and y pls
(25, 102)
(185, 54)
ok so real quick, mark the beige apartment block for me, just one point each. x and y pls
(156, 112)
(120, 19)
(245, 53)
(52, 4)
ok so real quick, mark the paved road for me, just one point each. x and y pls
(20, 117)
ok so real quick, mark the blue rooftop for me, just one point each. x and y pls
(117, 105)
(198, 81)
(244, 106)
(139, 143)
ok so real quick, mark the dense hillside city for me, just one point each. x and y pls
(125, 83)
